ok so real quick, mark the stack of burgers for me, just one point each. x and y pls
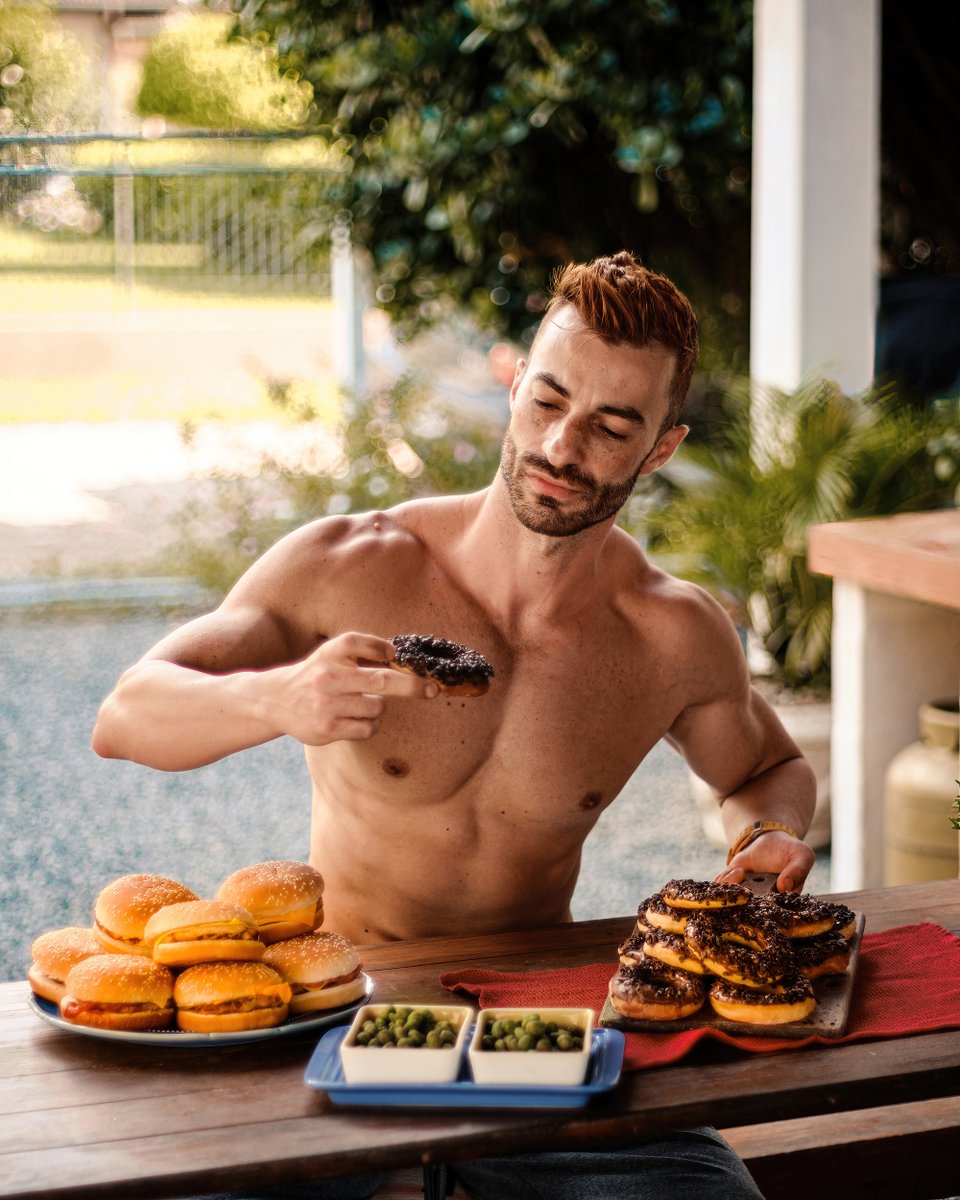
(752, 958)
(159, 956)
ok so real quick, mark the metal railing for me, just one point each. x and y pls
(245, 212)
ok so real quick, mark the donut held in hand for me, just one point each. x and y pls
(455, 669)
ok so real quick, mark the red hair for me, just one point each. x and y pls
(624, 303)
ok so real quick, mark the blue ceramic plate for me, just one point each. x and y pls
(325, 1073)
(306, 1023)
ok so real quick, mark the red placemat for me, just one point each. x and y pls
(907, 981)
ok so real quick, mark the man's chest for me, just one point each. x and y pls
(555, 733)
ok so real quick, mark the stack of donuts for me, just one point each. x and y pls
(752, 957)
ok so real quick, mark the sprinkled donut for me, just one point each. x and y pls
(672, 949)
(661, 915)
(453, 668)
(650, 991)
(698, 893)
(827, 954)
(791, 1000)
(798, 915)
(750, 953)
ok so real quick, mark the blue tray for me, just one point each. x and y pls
(325, 1072)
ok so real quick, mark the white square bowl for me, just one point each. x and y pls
(532, 1068)
(411, 1065)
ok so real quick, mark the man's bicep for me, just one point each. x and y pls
(234, 637)
(730, 740)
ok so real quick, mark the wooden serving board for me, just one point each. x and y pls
(828, 1019)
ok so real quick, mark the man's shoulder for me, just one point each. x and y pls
(407, 531)
(650, 592)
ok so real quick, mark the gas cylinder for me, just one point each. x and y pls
(919, 789)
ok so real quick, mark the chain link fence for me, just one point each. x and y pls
(205, 211)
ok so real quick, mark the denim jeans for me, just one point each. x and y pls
(691, 1165)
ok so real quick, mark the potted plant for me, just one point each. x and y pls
(733, 510)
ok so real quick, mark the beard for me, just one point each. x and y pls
(544, 514)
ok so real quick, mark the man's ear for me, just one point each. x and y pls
(517, 376)
(664, 449)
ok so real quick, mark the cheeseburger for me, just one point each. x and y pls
(200, 931)
(119, 992)
(285, 897)
(323, 970)
(228, 997)
(54, 953)
(125, 906)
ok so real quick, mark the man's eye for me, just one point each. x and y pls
(544, 404)
(612, 433)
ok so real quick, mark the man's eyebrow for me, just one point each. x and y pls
(628, 414)
(553, 383)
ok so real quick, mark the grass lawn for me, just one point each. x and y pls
(179, 390)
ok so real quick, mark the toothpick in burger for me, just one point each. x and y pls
(200, 931)
(122, 992)
(230, 997)
(285, 897)
(124, 907)
(53, 954)
(323, 970)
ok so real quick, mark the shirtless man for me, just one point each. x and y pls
(597, 654)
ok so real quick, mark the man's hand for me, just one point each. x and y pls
(776, 853)
(339, 691)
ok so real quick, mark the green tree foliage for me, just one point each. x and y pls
(196, 76)
(46, 77)
(490, 140)
(737, 521)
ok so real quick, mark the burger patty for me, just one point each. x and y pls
(300, 988)
(241, 1004)
(71, 1008)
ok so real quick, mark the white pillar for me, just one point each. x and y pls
(815, 189)
(890, 654)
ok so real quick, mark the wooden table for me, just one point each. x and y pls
(896, 644)
(81, 1117)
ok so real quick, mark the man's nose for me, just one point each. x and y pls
(563, 444)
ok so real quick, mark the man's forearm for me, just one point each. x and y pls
(786, 793)
(174, 718)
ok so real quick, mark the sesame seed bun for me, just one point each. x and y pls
(201, 931)
(284, 896)
(123, 908)
(124, 992)
(54, 953)
(323, 970)
(227, 997)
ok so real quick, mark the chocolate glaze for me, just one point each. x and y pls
(700, 891)
(436, 658)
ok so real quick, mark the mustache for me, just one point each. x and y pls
(569, 474)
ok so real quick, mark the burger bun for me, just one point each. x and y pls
(129, 993)
(124, 907)
(53, 954)
(284, 895)
(230, 997)
(323, 970)
(199, 931)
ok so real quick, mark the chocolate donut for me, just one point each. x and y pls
(748, 952)
(650, 991)
(798, 915)
(827, 954)
(672, 949)
(698, 893)
(453, 668)
(661, 915)
(791, 1000)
